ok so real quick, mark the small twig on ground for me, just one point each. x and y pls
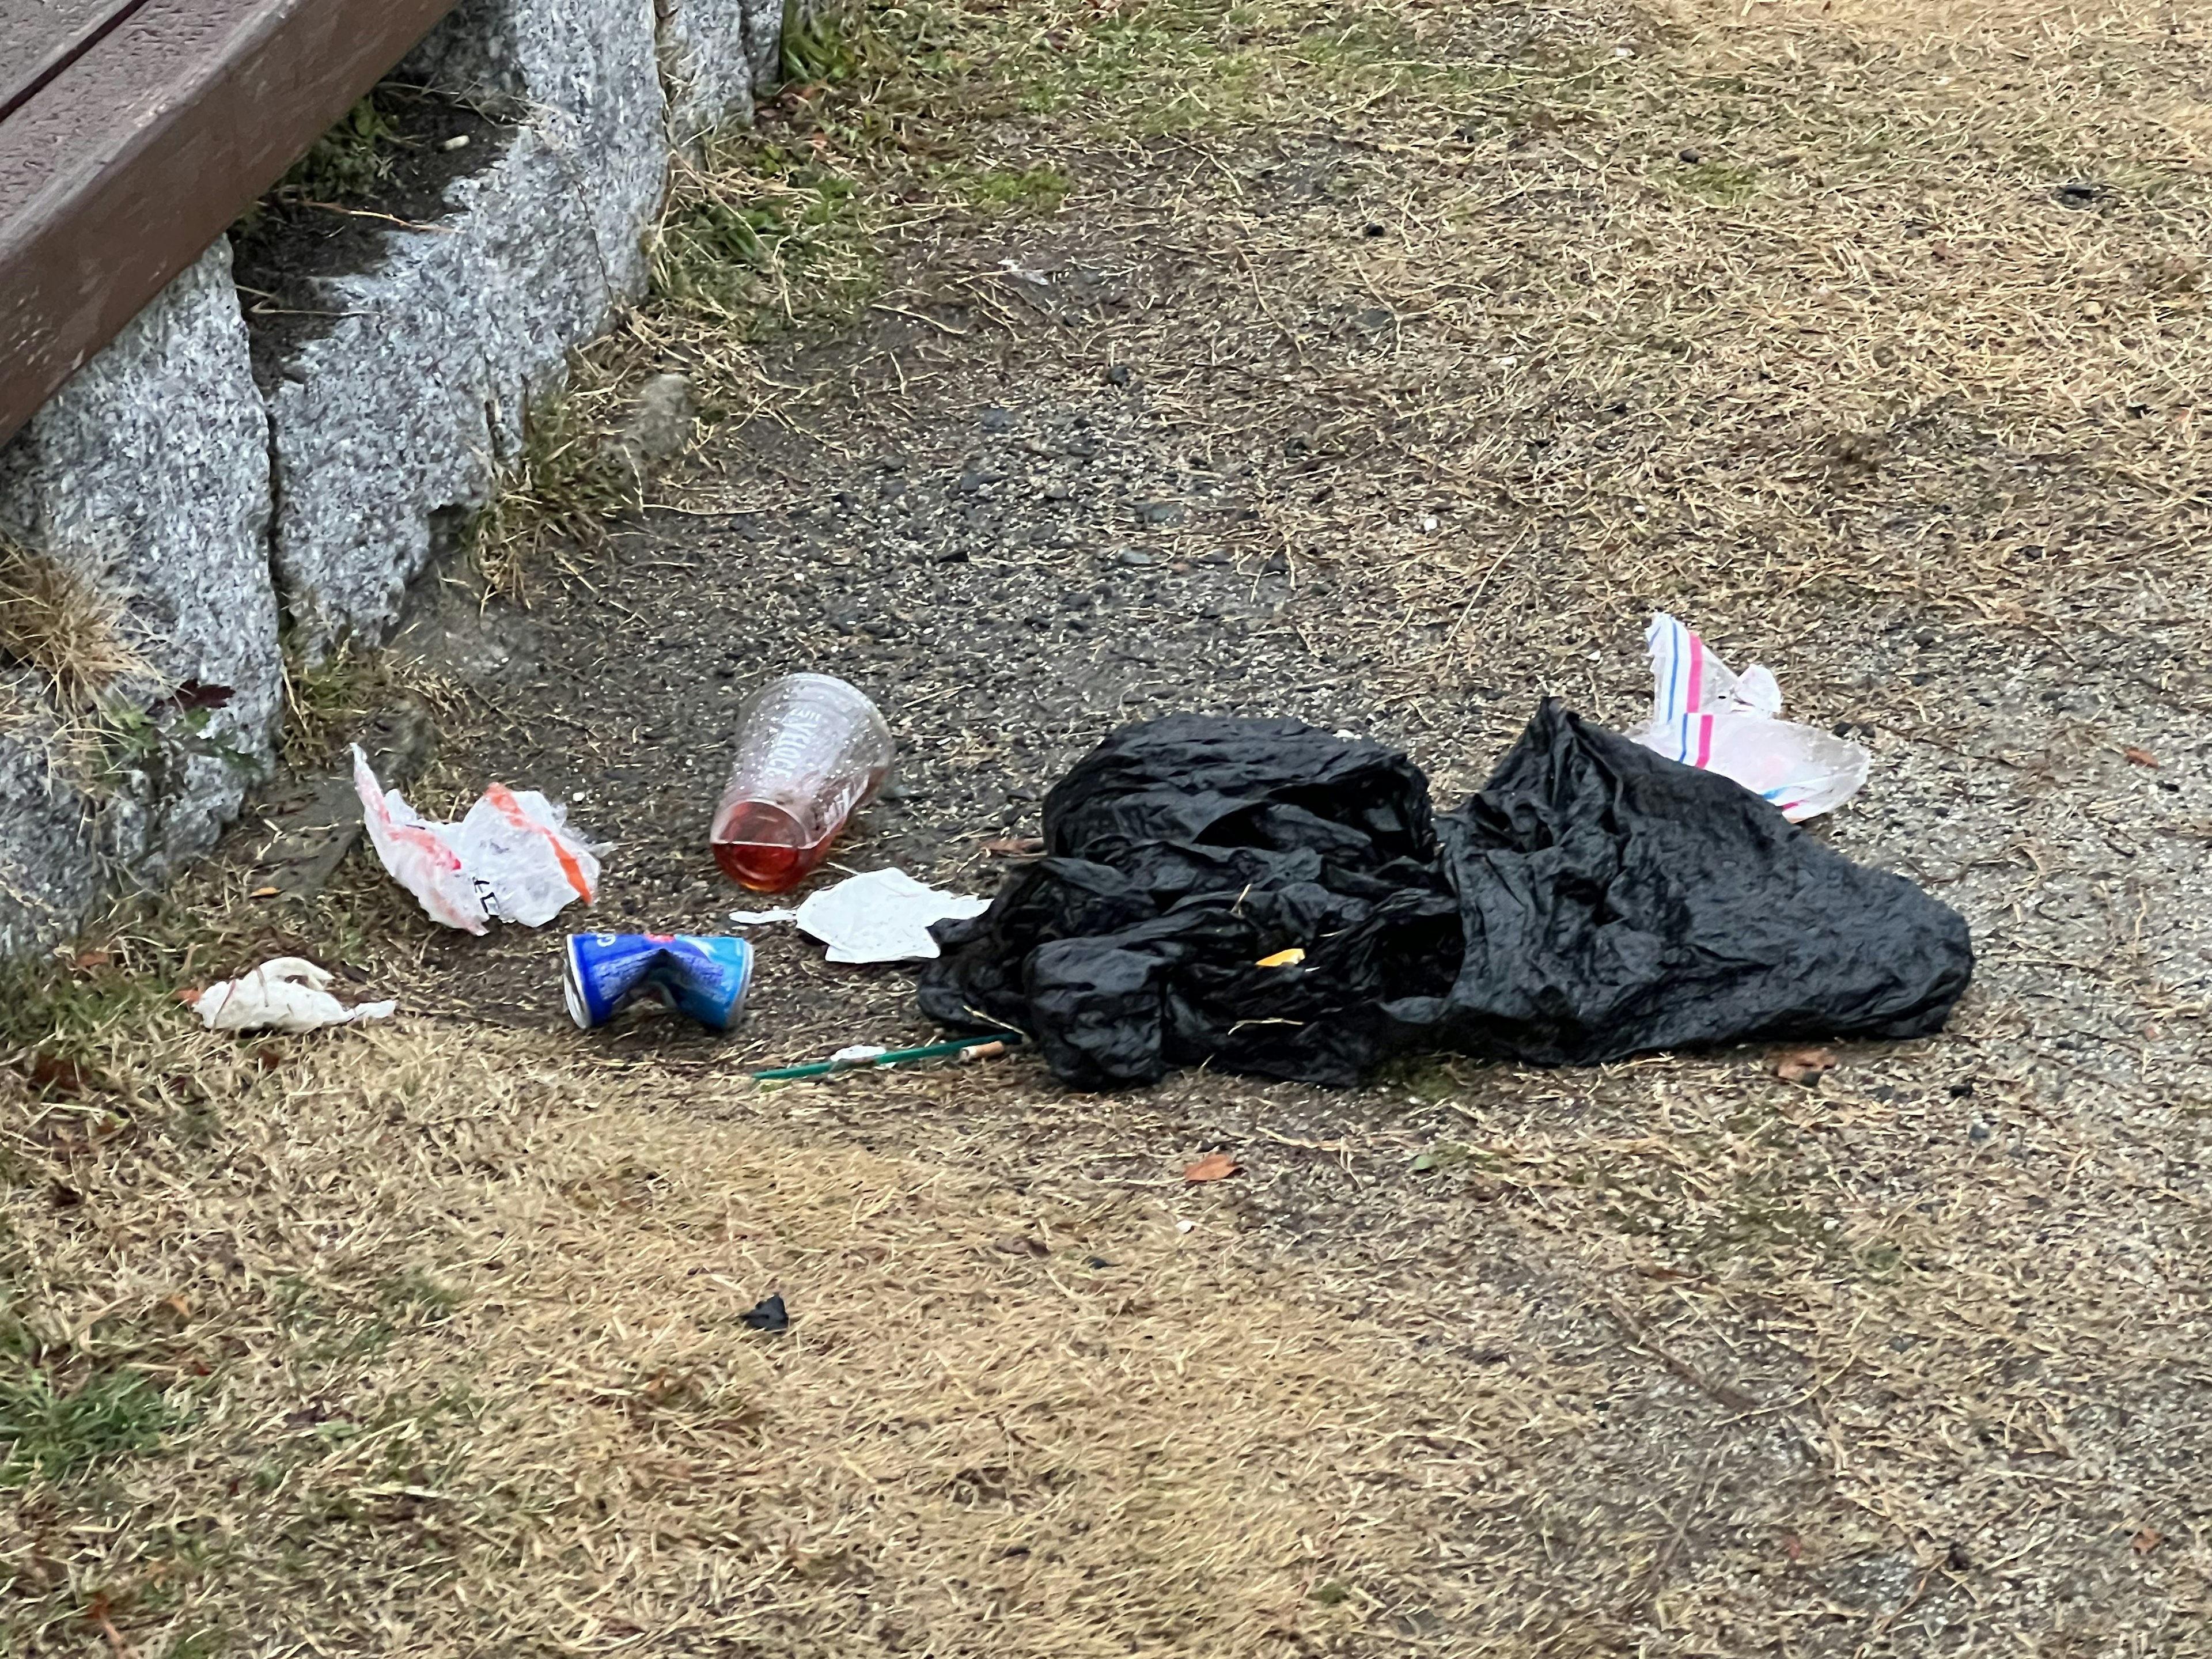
(1726, 1393)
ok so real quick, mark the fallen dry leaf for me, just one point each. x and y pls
(63, 1076)
(194, 695)
(2149, 1540)
(1214, 1166)
(1805, 1066)
(2140, 757)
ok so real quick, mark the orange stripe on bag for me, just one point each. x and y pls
(502, 799)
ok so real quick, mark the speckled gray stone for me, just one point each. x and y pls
(764, 41)
(661, 423)
(706, 59)
(51, 869)
(149, 474)
(152, 469)
(718, 57)
(400, 416)
(583, 75)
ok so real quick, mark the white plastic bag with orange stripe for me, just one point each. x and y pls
(1706, 716)
(511, 859)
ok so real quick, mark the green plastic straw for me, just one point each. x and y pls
(892, 1057)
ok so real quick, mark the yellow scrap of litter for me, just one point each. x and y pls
(1290, 959)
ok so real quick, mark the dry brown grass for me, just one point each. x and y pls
(448, 1325)
(57, 621)
(456, 1332)
(1756, 377)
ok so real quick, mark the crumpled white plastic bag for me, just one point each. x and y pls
(882, 916)
(512, 858)
(286, 994)
(1706, 716)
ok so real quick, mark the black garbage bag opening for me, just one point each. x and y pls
(1594, 901)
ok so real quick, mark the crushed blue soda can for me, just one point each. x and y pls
(704, 976)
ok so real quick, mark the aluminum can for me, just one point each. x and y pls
(704, 976)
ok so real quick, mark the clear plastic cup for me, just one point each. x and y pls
(812, 751)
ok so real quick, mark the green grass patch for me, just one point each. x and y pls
(763, 239)
(68, 1018)
(1004, 191)
(818, 43)
(325, 698)
(566, 484)
(349, 163)
(50, 1433)
(1746, 1196)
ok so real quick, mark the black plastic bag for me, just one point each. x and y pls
(1592, 901)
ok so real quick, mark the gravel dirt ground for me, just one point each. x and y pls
(1384, 367)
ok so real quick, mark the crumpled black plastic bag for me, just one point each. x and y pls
(1595, 900)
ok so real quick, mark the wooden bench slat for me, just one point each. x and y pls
(39, 38)
(122, 169)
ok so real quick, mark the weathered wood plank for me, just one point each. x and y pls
(39, 37)
(121, 169)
